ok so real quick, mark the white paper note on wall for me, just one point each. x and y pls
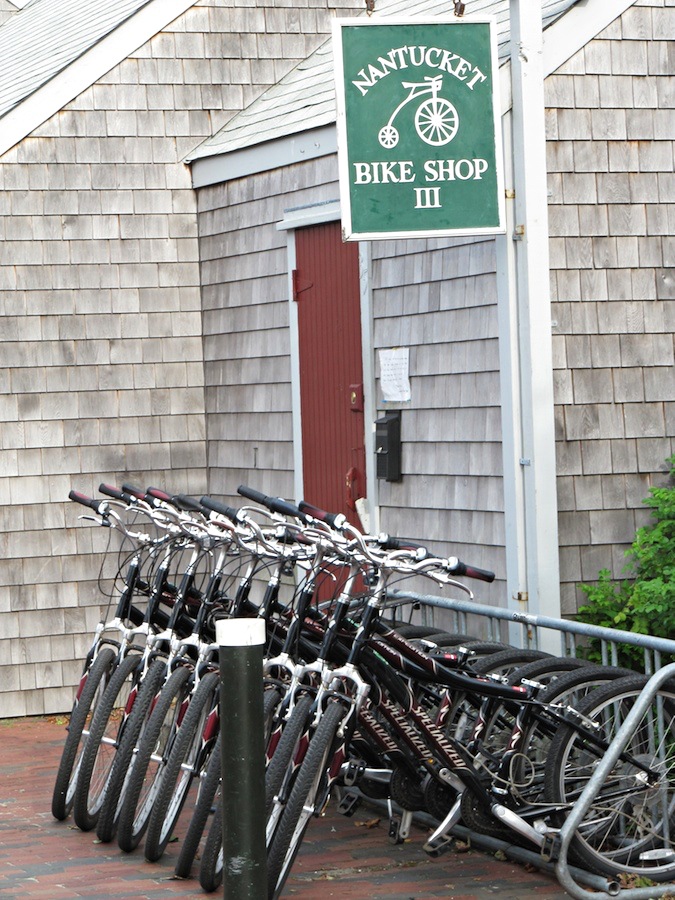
(394, 378)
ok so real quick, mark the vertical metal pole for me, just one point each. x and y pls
(534, 310)
(241, 643)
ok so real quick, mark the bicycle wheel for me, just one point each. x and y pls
(188, 755)
(436, 121)
(95, 683)
(208, 788)
(285, 750)
(302, 802)
(544, 670)
(527, 766)
(153, 751)
(106, 827)
(505, 661)
(627, 829)
(99, 752)
(211, 866)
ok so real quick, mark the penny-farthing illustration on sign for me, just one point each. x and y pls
(418, 128)
(436, 119)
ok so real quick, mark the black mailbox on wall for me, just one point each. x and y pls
(388, 446)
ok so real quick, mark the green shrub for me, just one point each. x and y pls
(643, 602)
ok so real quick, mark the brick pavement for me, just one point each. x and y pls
(42, 859)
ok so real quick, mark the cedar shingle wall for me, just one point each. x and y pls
(611, 128)
(101, 341)
(438, 298)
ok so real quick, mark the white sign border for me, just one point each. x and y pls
(348, 234)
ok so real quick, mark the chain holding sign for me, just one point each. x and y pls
(419, 135)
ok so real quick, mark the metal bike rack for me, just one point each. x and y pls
(592, 789)
(653, 648)
(530, 626)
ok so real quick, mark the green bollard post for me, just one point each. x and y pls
(241, 643)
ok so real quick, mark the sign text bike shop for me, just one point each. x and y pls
(419, 139)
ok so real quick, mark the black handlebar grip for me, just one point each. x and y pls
(187, 503)
(159, 494)
(331, 519)
(131, 489)
(111, 491)
(387, 542)
(96, 505)
(284, 508)
(276, 504)
(220, 508)
(457, 567)
(251, 494)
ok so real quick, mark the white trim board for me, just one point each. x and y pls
(580, 24)
(262, 157)
(79, 75)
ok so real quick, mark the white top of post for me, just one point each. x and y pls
(240, 632)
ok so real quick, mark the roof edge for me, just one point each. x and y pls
(580, 24)
(561, 40)
(275, 154)
(31, 112)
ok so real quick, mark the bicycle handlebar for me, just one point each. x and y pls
(276, 504)
(99, 506)
(388, 542)
(134, 491)
(333, 520)
(186, 503)
(457, 567)
(110, 491)
(215, 506)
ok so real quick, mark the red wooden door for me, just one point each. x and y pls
(327, 292)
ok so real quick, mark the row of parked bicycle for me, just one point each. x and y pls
(356, 700)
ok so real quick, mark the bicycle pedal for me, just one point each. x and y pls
(438, 846)
(349, 804)
(550, 849)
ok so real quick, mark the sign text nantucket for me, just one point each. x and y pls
(419, 134)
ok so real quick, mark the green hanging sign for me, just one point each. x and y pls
(419, 128)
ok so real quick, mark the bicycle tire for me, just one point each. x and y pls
(181, 768)
(504, 661)
(106, 827)
(412, 632)
(301, 803)
(157, 736)
(481, 649)
(454, 639)
(67, 774)
(211, 868)
(208, 788)
(283, 754)
(629, 837)
(271, 701)
(544, 670)
(99, 752)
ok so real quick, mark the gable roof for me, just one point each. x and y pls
(45, 37)
(304, 100)
(52, 50)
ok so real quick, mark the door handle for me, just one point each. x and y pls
(351, 479)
